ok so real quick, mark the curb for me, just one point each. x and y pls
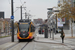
(69, 37)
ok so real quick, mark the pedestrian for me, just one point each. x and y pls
(42, 31)
(39, 31)
(56, 31)
(49, 31)
(62, 36)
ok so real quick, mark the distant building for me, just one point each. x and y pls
(45, 20)
(50, 12)
(2, 15)
(38, 21)
(7, 19)
(1, 25)
(4, 25)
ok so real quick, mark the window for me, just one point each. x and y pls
(24, 27)
(32, 28)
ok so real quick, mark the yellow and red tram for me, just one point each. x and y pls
(26, 30)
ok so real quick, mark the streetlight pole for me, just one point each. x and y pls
(21, 12)
(12, 21)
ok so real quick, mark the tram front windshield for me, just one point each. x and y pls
(24, 27)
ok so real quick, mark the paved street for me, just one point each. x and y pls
(39, 43)
(37, 24)
(7, 39)
(56, 44)
(49, 46)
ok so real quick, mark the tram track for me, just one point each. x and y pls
(19, 46)
(24, 46)
(11, 46)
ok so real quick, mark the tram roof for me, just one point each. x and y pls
(25, 20)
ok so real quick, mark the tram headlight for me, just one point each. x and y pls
(28, 32)
(19, 33)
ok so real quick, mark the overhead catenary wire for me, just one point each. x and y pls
(18, 8)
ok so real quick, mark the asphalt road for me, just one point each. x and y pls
(7, 39)
(38, 45)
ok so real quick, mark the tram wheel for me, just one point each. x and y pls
(33, 38)
(19, 40)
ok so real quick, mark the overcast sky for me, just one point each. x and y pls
(38, 8)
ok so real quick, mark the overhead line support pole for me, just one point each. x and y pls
(21, 10)
(12, 21)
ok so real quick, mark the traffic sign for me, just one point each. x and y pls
(12, 17)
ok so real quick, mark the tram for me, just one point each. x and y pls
(26, 30)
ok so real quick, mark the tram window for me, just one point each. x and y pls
(24, 27)
(17, 31)
(32, 28)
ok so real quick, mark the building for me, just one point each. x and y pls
(2, 15)
(38, 21)
(1, 25)
(50, 12)
(8, 24)
(4, 25)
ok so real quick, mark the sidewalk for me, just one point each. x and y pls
(68, 42)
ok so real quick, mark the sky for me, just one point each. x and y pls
(37, 8)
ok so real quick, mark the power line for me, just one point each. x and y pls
(18, 8)
(21, 10)
(15, 10)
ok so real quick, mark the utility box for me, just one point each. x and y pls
(46, 31)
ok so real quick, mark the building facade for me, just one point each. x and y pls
(4, 25)
(38, 21)
(2, 15)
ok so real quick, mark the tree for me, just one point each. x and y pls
(15, 25)
(68, 12)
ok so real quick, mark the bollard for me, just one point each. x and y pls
(46, 31)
